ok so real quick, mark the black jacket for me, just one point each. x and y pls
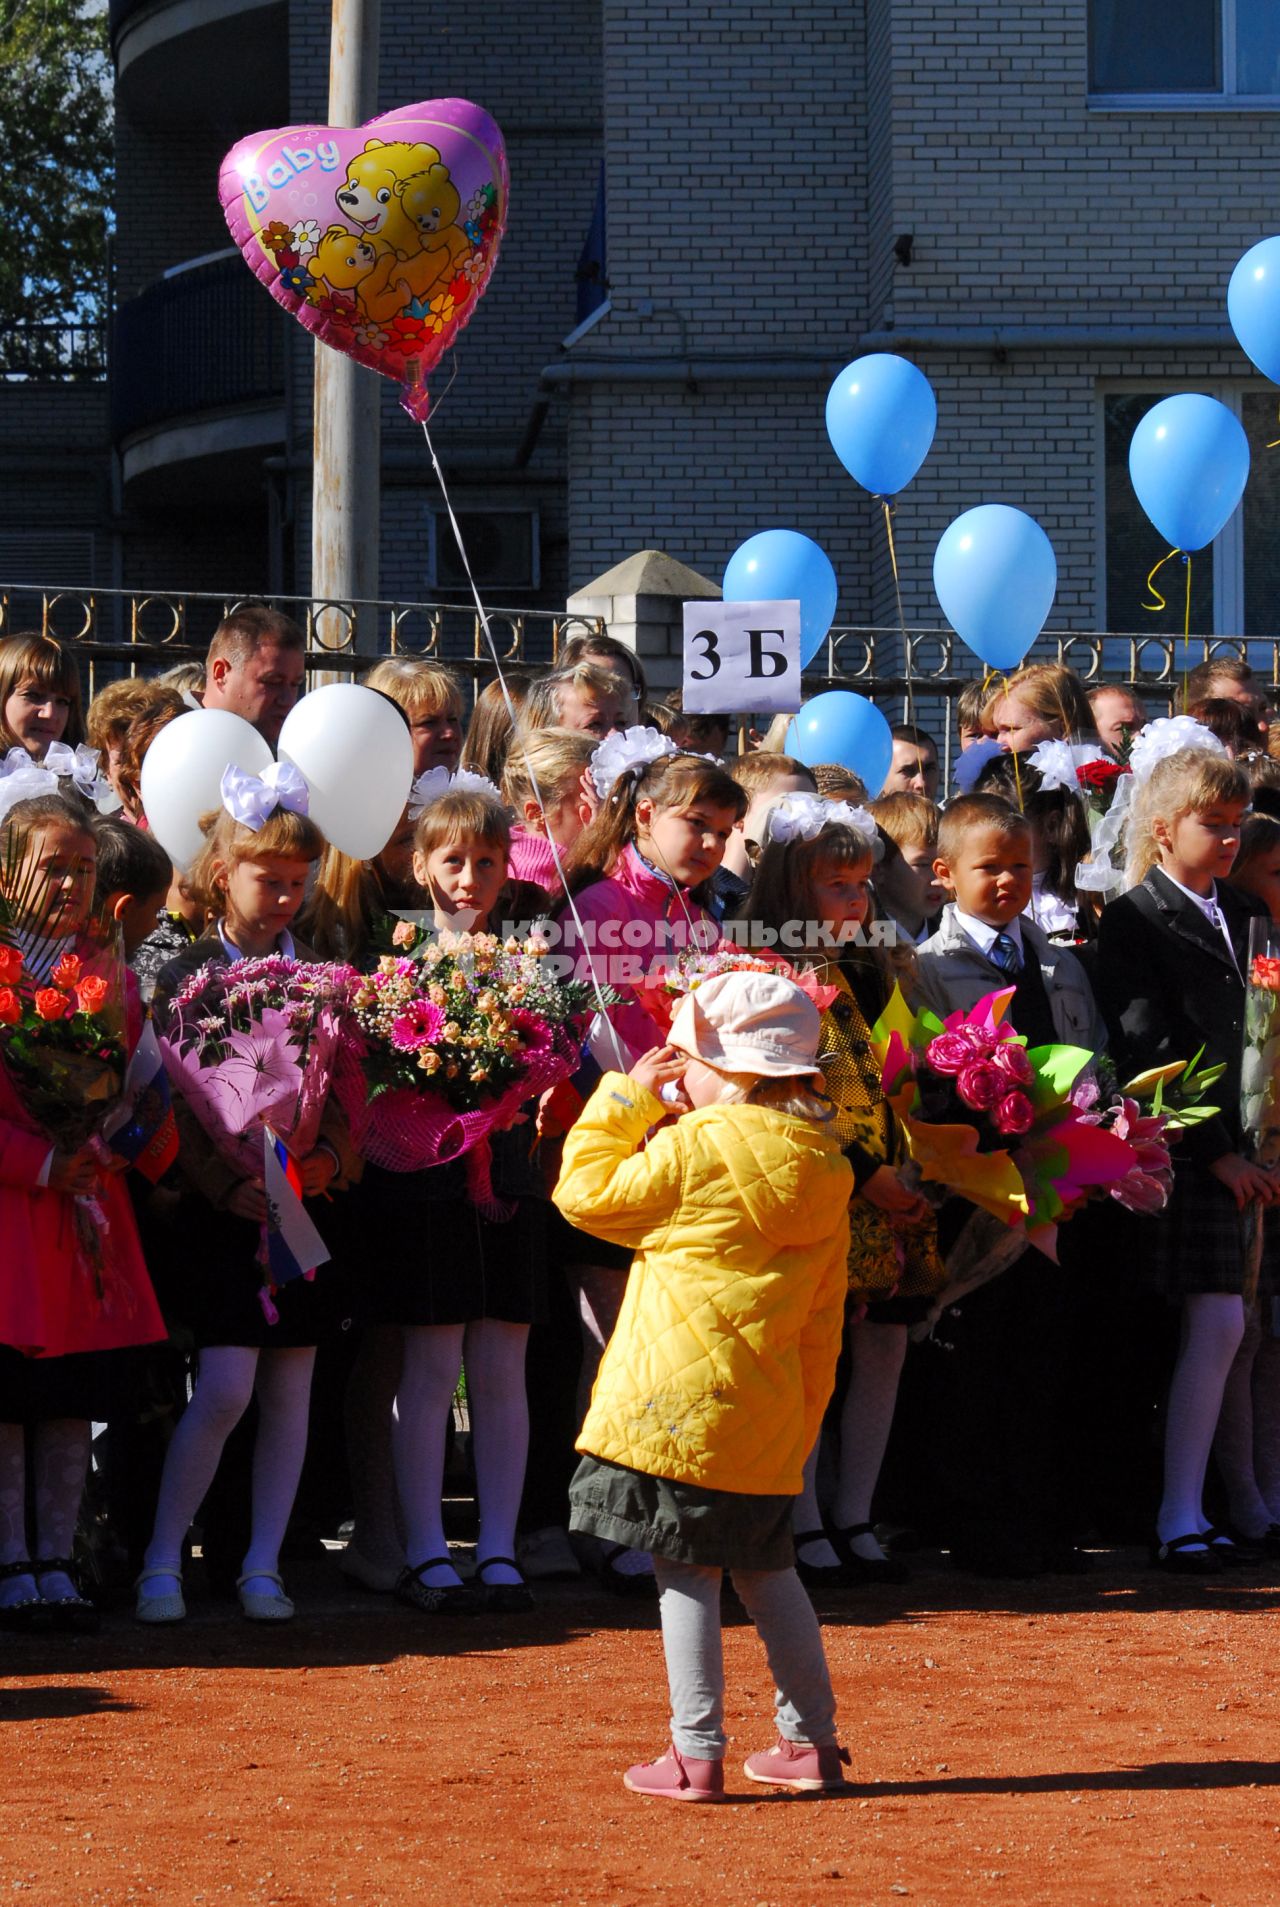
(1168, 986)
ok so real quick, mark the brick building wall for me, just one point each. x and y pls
(1027, 207)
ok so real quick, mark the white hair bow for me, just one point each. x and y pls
(802, 817)
(22, 779)
(80, 766)
(632, 748)
(435, 782)
(1169, 735)
(253, 799)
(1059, 763)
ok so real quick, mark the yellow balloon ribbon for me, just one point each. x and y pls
(1159, 602)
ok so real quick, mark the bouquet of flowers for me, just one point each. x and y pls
(253, 1046)
(662, 989)
(995, 1122)
(62, 1042)
(456, 1032)
(1260, 1068)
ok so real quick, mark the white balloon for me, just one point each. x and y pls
(182, 773)
(354, 747)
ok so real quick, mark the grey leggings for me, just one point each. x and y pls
(783, 1615)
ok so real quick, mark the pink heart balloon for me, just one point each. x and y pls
(379, 238)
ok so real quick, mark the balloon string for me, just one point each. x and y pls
(1158, 603)
(888, 507)
(1017, 766)
(481, 612)
(1275, 440)
(1186, 634)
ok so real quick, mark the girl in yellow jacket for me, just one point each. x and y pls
(713, 1385)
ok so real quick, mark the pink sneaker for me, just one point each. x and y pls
(676, 1778)
(793, 1764)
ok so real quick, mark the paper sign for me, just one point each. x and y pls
(741, 656)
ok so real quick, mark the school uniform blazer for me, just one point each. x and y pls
(954, 976)
(1168, 986)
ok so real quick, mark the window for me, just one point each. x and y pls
(1235, 583)
(1197, 51)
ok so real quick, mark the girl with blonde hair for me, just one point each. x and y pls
(1172, 957)
(546, 788)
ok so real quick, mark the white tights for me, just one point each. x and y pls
(60, 1448)
(1246, 1446)
(1213, 1325)
(228, 1377)
(877, 1353)
(433, 1356)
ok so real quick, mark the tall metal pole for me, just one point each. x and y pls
(347, 436)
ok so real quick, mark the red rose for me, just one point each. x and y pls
(91, 993)
(50, 1004)
(10, 1007)
(1100, 774)
(67, 971)
(10, 965)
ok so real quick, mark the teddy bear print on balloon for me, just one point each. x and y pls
(380, 239)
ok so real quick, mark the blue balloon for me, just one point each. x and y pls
(1253, 306)
(1188, 461)
(995, 574)
(881, 416)
(777, 566)
(842, 727)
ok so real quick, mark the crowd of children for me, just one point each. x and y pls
(712, 1282)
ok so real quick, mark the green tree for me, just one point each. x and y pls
(56, 137)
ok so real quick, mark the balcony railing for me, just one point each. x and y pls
(54, 353)
(206, 339)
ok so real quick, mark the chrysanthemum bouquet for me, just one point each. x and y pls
(457, 1032)
(663, 988)
(253, 1045)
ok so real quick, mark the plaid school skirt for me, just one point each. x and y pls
(1201, 1242)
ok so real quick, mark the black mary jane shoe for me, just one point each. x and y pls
(443, 1599)
(866, 1569)
(22, 1617)
(503, 1599)
(73, 1614)
(819, 1575)
(1188, 1555)
(1232, 1550)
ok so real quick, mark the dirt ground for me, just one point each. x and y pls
(1108, 1740)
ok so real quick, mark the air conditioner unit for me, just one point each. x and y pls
(503, 549)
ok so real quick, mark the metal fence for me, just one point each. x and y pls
(131, 632)
(119, 632)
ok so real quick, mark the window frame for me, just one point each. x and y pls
(1228, 545)
(1223, 100)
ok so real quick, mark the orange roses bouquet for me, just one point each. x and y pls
(62, 1038)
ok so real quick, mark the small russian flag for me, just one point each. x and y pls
(294, 1246)
(142, 1129)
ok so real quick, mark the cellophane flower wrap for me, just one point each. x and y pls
(663, 988)
(1260, 1066)
(253, 1045)
(994, 1121)
(456, 1033)
(62, 1034)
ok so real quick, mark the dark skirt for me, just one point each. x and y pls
(1200, 1242)
(208, 1281)
(438, 1262)
(98, 1385)
(714, 1529)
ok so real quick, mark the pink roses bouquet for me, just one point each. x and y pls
(996, 1122)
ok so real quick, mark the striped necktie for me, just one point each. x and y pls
(1005, 954)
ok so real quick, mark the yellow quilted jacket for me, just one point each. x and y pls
(724, 1354)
